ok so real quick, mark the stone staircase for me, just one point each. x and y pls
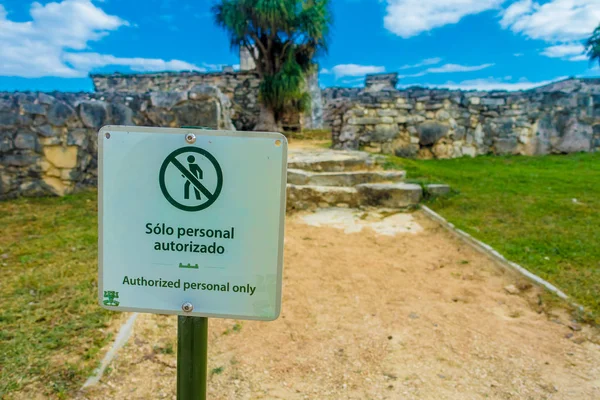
(320, 178)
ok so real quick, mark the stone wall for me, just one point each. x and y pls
(563, 117)
(241, 88)
(48, 142)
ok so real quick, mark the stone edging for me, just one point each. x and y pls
(122, 337)
(494, 255)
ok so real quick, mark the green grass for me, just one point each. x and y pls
(50, 323)
(540, 212)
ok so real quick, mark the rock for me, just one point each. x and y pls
(78, 137)
(388, 112)
(392, 195)
(443, 150)
(491, 102)
(408, 151)
(43, 98)
(121, 114)
(505, 146)
(575, 326)
(437, 189)
(511, 289)
(8, 118)
(19, 160)
(36, 109)
(6, 142)
(385, 132)
(45, 130)
(167, 99)
(93, 113)
(26, 141)
(198, 113)
(576, 137)
(431, 132)
(61, 157)
(59, 113)
(55, 185)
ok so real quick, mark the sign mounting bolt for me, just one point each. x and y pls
(187, 307)
(190, 138)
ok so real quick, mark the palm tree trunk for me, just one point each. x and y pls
(266, 121)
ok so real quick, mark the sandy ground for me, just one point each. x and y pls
(417, 315)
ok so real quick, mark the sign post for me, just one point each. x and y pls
(191, 223)
(192, 351)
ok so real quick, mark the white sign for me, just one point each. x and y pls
(191, 221)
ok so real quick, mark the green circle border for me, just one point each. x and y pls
(163, 169)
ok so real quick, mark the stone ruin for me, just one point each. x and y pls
(563, 117)
(48, 140)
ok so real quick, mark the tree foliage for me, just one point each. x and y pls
(287, 34)
(592, 46)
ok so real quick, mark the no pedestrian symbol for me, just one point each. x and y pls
(198, 180)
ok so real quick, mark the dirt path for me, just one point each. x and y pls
(365, 316)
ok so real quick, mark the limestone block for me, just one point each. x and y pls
(387, 120)
(443, 150)
(401, 119)
(56, 185)
(393, 195)
(470, 151)
(474, 100)
(390, 112)
(121, 114)
(431, 132)
(8, 118)
(35, 109)
(78, 137)
(59, 112)
(443, 115)
(504, 146)
(26, 141)
(61, 157)
(6, 142)
(437, 189)
(93, 114)
(384, 132)
(491, 102)
(167, 99)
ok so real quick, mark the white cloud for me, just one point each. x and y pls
(408, 18)
(570, 51)
(423, 63)
(554, 21)
(343, 70)
(491, 83)
(89, 61)
(457, 68)
(43, 46)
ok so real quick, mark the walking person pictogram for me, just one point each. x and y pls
(197, 172)
(207, 181)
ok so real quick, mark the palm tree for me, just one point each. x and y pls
(592, 46)
(287, 34)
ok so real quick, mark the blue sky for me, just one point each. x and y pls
(471, 44)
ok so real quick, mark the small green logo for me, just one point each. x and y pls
(110, 296)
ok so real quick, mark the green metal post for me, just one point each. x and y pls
(192, 351)
(192, 346)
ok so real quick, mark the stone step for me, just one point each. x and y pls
(308, 197)
(388, 195)
(349, 178)
(324, 160)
